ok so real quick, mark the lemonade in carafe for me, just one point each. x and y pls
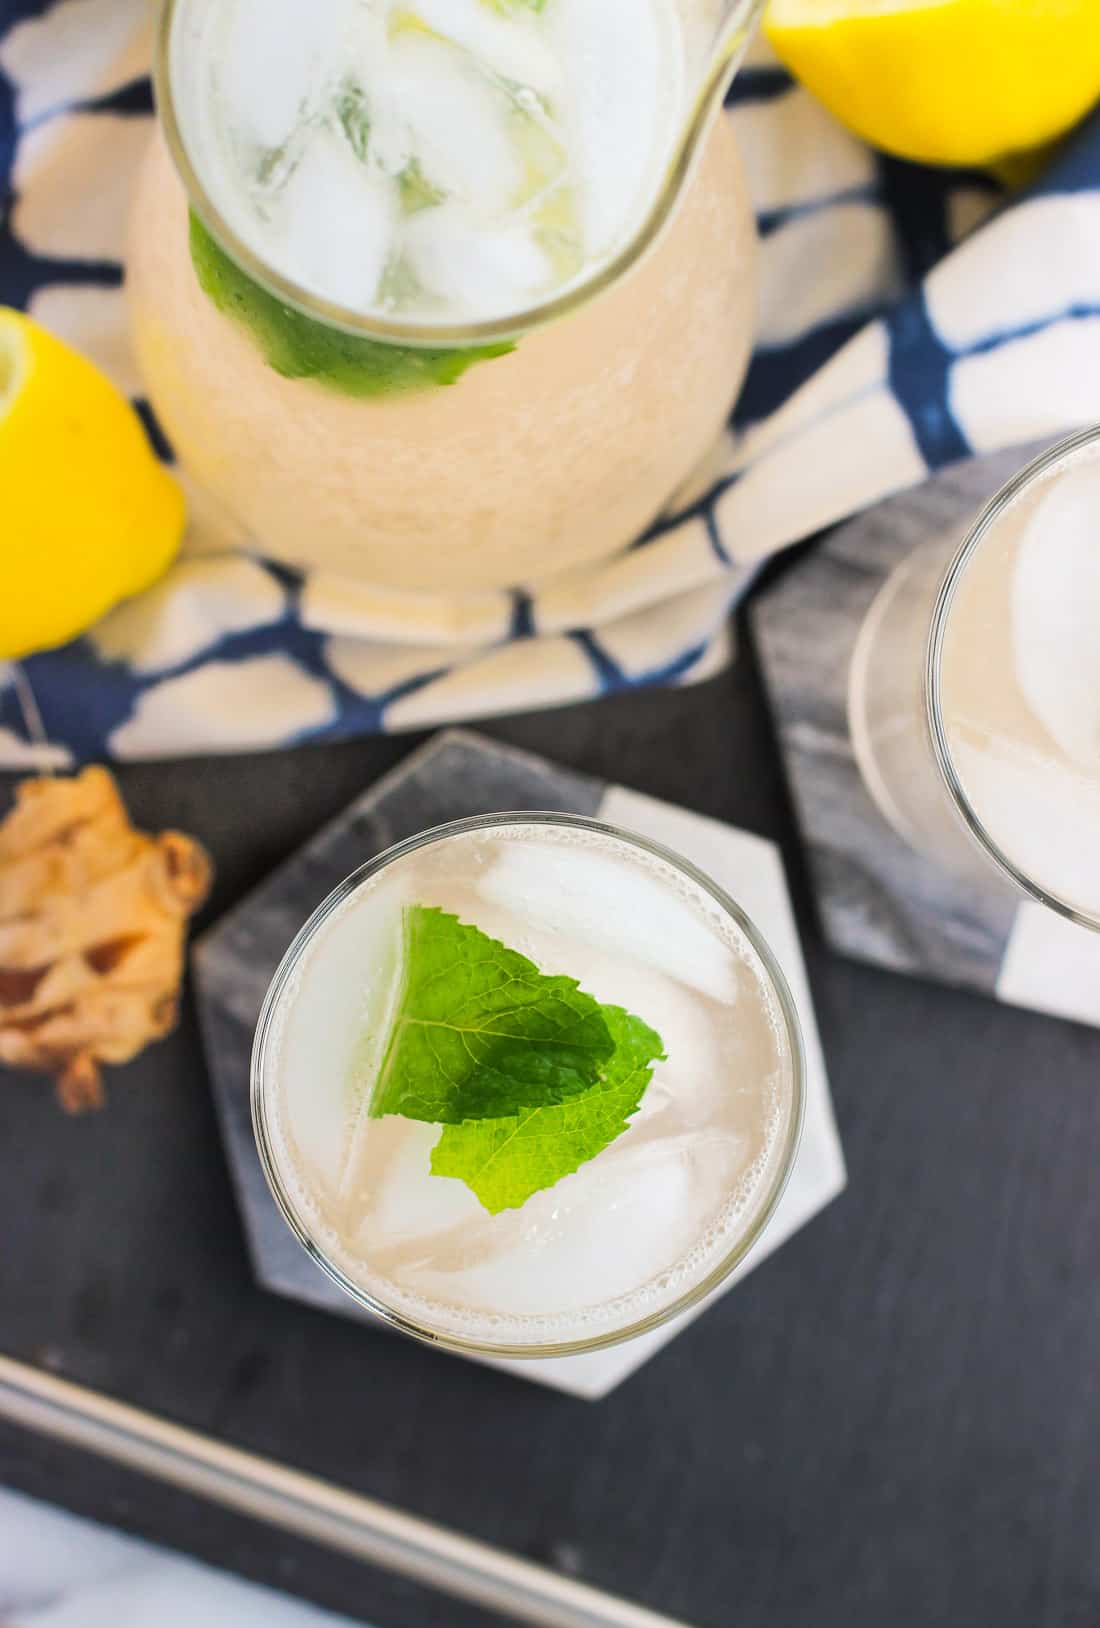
(390, 283)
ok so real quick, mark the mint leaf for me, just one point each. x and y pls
(479, 1032)
(298, 347)
(414, 191)
(505, 1161)
(354, 116)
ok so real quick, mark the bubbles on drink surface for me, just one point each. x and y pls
(1021, 682)
(441, 160)
(645, 1220)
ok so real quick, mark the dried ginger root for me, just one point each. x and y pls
(93, 919)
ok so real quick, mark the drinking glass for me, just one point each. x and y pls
(959, 762)
(725, 1116)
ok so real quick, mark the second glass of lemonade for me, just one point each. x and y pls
(476, 962)
(443, 295)
(975, 689)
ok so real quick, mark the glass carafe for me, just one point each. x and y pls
(578, 419)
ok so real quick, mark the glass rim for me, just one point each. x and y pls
(402, 1321)
(721, 66)
(1010, 493)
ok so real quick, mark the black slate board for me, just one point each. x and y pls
(897, 1423)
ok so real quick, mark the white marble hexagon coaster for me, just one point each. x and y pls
(460, 774)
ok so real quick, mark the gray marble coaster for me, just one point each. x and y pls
(879, 900)
(455, 775)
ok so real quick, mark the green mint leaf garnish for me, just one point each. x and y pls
(505, 1161)
(529, 1076)
(478, 1032)
(298, 347)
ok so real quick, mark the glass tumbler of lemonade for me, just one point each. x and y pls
(974, 699)
(443, 295)
(527, 1086)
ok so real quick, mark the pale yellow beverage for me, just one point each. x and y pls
(975, 694)
(1018, 682)
(622, 1234)
(530, 463)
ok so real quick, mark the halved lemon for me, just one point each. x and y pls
(945, 81)
(88, 515)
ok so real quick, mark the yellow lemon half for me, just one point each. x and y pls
(945, 81)
(88, 515)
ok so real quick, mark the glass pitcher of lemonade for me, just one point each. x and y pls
(443, 295)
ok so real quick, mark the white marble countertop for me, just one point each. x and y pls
(60, 1572)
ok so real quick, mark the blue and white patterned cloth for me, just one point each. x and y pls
(900, 328)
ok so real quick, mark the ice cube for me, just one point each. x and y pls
(479, 268)
(457, 123)
(336, 221)
(273, 59)
(617, 1223)
(689, 1085)
(1056, 612)
(339, 1008)
(401, 1201)
(1042, 814)
(521, 54)
(624, 73)
(613, 905)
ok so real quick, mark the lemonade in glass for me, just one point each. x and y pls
(528, 1085)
